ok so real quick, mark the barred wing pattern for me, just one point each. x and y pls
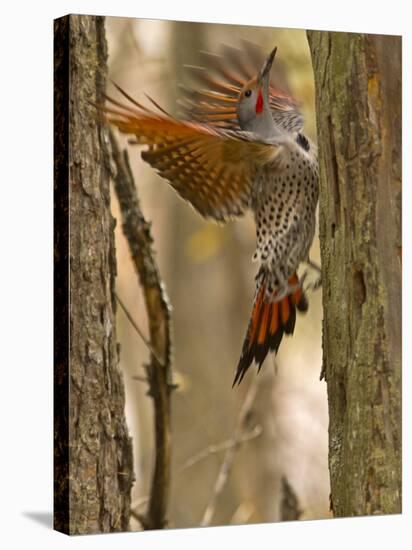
(213, 169)
(217, 85)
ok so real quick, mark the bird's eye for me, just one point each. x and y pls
(248, 93)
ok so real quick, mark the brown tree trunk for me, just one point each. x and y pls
(358, 104)
(93, 459)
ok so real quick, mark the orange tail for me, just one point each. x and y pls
(269, 321)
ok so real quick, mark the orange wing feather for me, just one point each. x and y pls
(213, 169)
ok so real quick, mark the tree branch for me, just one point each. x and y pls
(137, 232)
(138, 330)
(235, 442)
(219, 447)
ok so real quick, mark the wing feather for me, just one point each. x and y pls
(211, 168)
(221, 81)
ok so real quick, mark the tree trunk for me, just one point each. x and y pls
(358, 104)
(93, 459)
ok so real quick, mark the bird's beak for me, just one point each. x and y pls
(263, 77)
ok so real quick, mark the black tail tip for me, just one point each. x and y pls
(240, 373)
(243, 366)
(303, 304)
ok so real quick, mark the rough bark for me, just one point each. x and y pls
(93, 459)
(358, 104)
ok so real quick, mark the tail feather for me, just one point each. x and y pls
(290, 320)
(268, 323)
(298, 297)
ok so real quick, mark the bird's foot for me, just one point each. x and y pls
(317, 283)
(287, 289)
(314, 265)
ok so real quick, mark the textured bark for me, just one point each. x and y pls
(93, 459)
(358, 104)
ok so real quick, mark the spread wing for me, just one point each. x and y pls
(217, 86)
(213, 169)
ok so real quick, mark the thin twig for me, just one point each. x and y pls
(140, 379)
(219, 447)
(140, 518)
(137, 232)
(229, 457)
(133, 37)
(242, 514)
(137, 329)
(139, 502)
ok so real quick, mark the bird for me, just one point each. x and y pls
(239, 146)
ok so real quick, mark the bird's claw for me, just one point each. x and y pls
(315, 285)
(290, 289)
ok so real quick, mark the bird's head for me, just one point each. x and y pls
(253, 108)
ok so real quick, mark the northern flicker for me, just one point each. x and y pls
(240, 146)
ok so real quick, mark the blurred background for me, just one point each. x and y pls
(209, 277)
